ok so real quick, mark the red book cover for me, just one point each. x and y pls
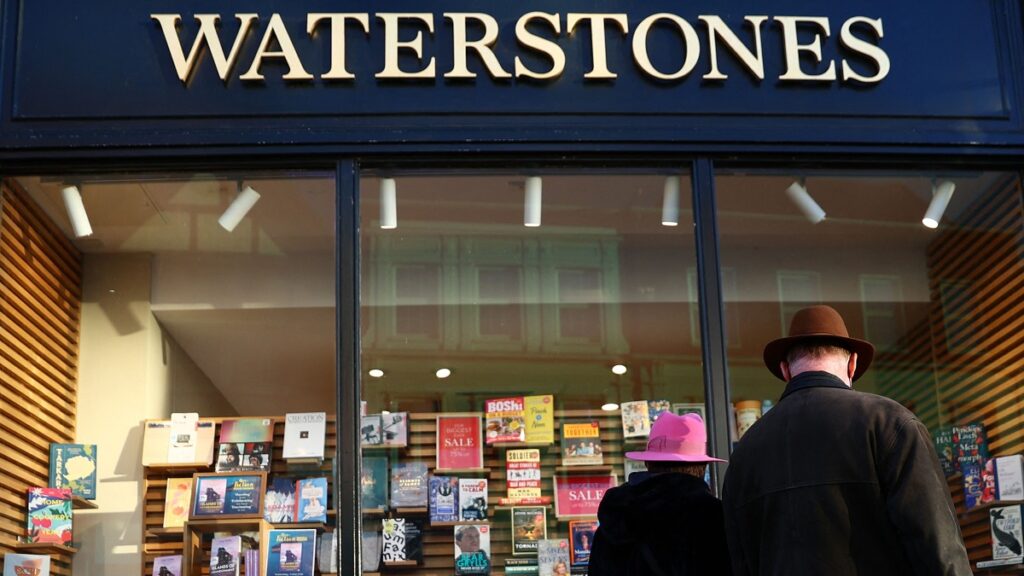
(579, 496)
(459, 442)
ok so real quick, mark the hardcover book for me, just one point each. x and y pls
(459, 443)
(176, 502)
(304, 435)
(581, 537)
(403, 541)
(472, 498)
(195, 445)
(1007, 535)
(291, 552)
(49, 516)
(656, 408)
(971, 444)
(529, 525)
(311, 500)
(581, 443)
(579, 496)
(279, 503)
(409, 485)
(225, 556)
(1008, 472)
(522, 474)
(74, 466)
(540, 419)
(394, 429)
(167, 565)
(29, 565)
(506, 420)
(370, 430)
(636, 420)
(374, 482)
(553, 556)
(182, 443)
(245, 445)
(472, 549)
(946, 449)
(444, 499)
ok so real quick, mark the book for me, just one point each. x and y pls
(371, 547)
(459, 443)
(553, 557)
(636, 420)
(680, 408)
(167, 565)
(971, 444)
(157, 441)
(311, 500)
(245, 445)
(402, 541)
(374, 482)
(656, 408)
(506, 420)
(988, 481)
(529, 525)
(472, 549)
(252, 561)
(369, 430)
(184, 435)
(49, 516)
(30, 565)
(632, 467)
(522, 474)
(279, 502)
(578, 496)
(74, 466)
(521, 567)
(444, 499)
(176, 502)
(1007, 535)
(540, 419)
(972, 483)
(291, 552)
(581, 538)
(211, 496)
(394, 429)
(1008, 475)
(305, 434)
(409, 485)
(225, 556)
(581, 443)
(946, 450)
(472, 499)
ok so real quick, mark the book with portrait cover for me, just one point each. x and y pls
(459, 443)
(225, 556)
(409, 485)
(581, 538)
(49, 516)
(522, 474)
(374, 482)
(245, 445)
(304, 435)
(370, 430)
(279, 502)
(311, 500)
(553, 556)
(581, 443)
(636, 420)
(540, 419)
(28, 564)
(529, 525)
(472, 549)
(394, 429)
(656, 408)
(444, 498)
(291, 552)
(176, 502)
(167, 565)
(74, 466)
(472, 499)
(1007, 534)
(402, 540)
(506, 420)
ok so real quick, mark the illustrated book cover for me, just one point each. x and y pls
(472, 549)
(946, 449)
(459, 443)
(444, 499)
(529, 525)
(553, 556)
(402, 540)
(656, 408)
(279, 503)
(506, 420)
(522, 474)
(636, 420)
(581, 537)
(74, 466)
(374, 482)
(1008, 475)
(291, 552)
(225, 556)
(167, 565)
(176, 502)
(370, 430)
(472, 499)
(581, 443)
(245, 445)
(971, 444)
(30, 565)
(394, 429)
(311, 500)
(409, 485)
(305, 434)
(1007, 534)
(540, 419)
(49, 516)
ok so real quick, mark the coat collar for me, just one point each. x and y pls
(806, 380)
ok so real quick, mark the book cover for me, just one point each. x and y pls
(374, 482)
(636, 420)
(225, 556)
(459, 443)
(656, 408)
(972, 483)
(579, 496)
(394, 429)
(506, 420)
(176, 501)
(540, 419)
(251, 561)
(371, 546)
(49, 516)
(581, 443)
(1007, 535)
(444, 499)
(1008, 477)
(245, 445)
(279, 502)
(167, 565)
(402, 541)
(311, 500)
(553, 557)
(971, 444)
(988, 481)
(211, 496)
(521, 567)
(304, 435)
(183, 441)
(74, 466)
(472, 549)
(522, 474)
(28, 565)
(291, 552)
(946, 450)
(472, 498)
(680, 408)
(529, 525)
(632, 467)
(581, 537)
(409, 485)
(370, 430)
(157, 440)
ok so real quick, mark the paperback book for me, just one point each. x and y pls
(374, 482)
(972, 482)
(540, 419)
(506, 420)
(394, 429)
(167, 565)
(74, 466)
(473, 499)
(1008, 477)
(176, 502)
(581, 443)
(29, 565)
(166, 442)
(636, 420)
(459, 443)
(656, 408)
(225, 556)
(581, 538)
(279, 502)
(291, 552)
(444, 499)
(971, 444)
(522, 566)
(1007, 534)
(409, 485)
(403, 541)
(304, 436)
(553, 556)
(370, 430)
(522, 474)
(311, 500)
(472, 549)
(529, 525)
(49, 516)
(245, 445)
(946, 449)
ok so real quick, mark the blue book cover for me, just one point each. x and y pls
(444, 499)
(374, 482)
(279, 503)
(225, 556)
(74, 466)
(291, 552)
(311, 500)
(972, 484)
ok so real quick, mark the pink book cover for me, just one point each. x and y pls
(459, 442)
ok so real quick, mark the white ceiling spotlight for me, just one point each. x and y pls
(942, 193)
(443, 373)
(797, 193)
(239, 207)
(376, 373)
(619, 369)
(610, 407)
(388, 204)
(76, 211)
(532, 202)
(670, 202)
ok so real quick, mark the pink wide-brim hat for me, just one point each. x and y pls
(676, 439)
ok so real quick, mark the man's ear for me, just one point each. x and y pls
(851, 366)
(784, 368)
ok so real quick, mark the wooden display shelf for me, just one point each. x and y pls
(180, 466)
(194, 530)
(401, 564)
(461, 470)
(412, 510)
(383, 446)
(505, 507)
(374, 511)
(586, 468)
(521, 444)
(165, 532)
(79, 503)
(319, 526)
(44, 548)
(458, 522)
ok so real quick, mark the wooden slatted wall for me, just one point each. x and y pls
(40, 309)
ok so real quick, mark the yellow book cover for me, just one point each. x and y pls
(540, 418)
(176, 502)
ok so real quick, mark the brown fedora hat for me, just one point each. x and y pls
(818, 323)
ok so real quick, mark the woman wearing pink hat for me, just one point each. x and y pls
(664, 522)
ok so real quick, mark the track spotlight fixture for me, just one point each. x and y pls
(239, 207)
(76, 211)
(797, 192)
(531, 209)
(388, 204)
(942, 192)
(670, 202)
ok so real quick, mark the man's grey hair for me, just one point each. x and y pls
(814, 350)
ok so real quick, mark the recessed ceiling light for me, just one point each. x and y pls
(376, 372)
(443, 373)
(385, 412)
(619, 369)
(610, 407)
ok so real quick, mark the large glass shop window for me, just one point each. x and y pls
(520, 332)
(926, 266)
(207, 373)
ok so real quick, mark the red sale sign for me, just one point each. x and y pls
(459, 442)
(579, 496)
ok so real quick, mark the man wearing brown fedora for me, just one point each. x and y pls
(835, 481)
